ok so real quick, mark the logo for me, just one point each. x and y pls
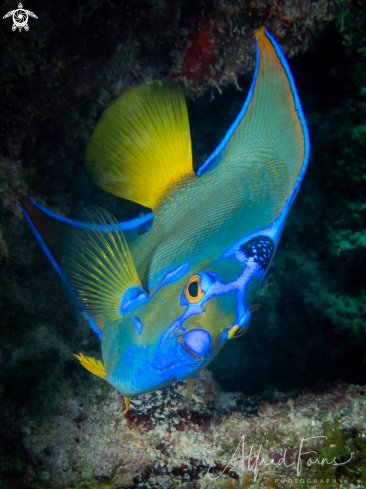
(251, 462)
(20, 18)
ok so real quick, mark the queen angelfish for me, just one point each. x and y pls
(167, 290)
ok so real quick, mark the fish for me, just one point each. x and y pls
(166, 290)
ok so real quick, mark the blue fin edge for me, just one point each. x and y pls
(124, 225)
(55, 265)
(301, 115)
(211, 160)
(40, 239)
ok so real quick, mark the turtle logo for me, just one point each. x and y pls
(20, 18)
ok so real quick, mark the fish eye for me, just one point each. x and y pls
(192, 291)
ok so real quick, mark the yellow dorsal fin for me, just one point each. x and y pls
(94, 366)
(142, 145)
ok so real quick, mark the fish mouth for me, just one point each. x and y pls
(188, 350)
(196, 342)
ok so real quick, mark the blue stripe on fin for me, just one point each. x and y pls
(124, 225)
(300, 114)
(136, 222)
(55, 265)
(40, 240)
(211, 160)
(91, 322)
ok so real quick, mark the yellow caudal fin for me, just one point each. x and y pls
(94, 366)
(97, 266)
(141, 144)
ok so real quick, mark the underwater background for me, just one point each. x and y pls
(300, 368)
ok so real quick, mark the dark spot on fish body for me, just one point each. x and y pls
(261, 248)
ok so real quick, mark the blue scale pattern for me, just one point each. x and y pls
(261, 248)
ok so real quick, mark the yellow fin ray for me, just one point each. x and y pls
(190, 383)
(127, 402)
(98, 265)
(94, 366)
(141, 144)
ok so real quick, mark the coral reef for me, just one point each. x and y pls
(166, 440)
(218, 48)
(12, 185)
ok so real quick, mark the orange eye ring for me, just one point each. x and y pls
(192, 291)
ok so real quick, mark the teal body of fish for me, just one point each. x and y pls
(165, 291)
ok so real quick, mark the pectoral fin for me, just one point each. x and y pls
(94, 366)
(91, 256)
(98, 265)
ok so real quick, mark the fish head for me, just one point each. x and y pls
(178, 328)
